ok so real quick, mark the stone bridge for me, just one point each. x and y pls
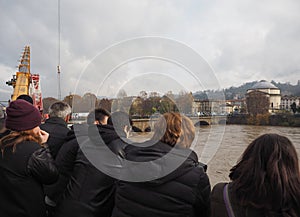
(198, 121)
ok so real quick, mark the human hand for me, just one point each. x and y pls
(44, 136)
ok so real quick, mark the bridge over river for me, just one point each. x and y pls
(198, 121)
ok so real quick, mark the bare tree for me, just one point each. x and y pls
(184, 102)
(104, 103)
(72, 97)
(47, 102)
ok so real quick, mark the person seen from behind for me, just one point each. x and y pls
(25, 163)
(56, 125)
(265, 182)
(66, 157)
(89, 192)
(26, 98)
(98, 116)
(183, 192)
(3, 130)
(113, 133)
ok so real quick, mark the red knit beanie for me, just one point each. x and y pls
(22, 115)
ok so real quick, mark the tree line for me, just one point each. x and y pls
(143, 105)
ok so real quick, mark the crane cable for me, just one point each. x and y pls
(58, 43)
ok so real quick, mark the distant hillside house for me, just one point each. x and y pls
(270, 91)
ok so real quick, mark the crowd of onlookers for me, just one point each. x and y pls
(93, 169)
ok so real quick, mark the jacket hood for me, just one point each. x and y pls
(56, 120)
(107, 133)
(188, 158)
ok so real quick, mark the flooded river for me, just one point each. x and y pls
(233, 139)
(220, 146)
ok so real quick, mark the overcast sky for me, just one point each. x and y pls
(240, 40)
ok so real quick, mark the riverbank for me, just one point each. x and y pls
(287, 120)
(220, 146)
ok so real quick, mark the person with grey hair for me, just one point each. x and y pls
(3, 130)
(56, 126)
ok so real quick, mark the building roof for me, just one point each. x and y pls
(263, 84)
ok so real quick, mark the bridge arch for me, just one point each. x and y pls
(201, 123)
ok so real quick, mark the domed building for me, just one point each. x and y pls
(268, 91)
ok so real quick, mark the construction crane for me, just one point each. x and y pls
(26, 83)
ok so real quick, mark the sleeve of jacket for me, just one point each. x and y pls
(65, 162)
(202, 203)
(117, 146)
(42, 167)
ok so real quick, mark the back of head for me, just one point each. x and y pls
(21, 115)
(2, 119)
(59, 109)
(187, 132)
(2, 113)
(267, 175)
(99, 115)
(22, 118)
(26, 98)
(173, 128)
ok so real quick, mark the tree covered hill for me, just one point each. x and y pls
(239, 92)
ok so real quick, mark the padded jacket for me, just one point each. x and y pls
(65, 161)
(58, 132)
(23, 173)
(184, 192)
(90, 191)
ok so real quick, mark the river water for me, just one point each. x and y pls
(228, 143)
(220, 146)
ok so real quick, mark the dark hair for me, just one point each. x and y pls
(267, 176)
(26, 98)
(98, 114)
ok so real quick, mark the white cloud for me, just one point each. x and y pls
(242, 40)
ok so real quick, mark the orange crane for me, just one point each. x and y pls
(25, 83)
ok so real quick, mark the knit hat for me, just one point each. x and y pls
(21, 115)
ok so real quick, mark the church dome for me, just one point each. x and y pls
(263, 84)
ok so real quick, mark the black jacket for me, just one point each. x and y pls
(22, 175)
(182, 193)
(90, 192)
(65, 161)
(5, 133)
(58, 132)
(109, 136)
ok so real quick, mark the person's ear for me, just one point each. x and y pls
(67, 118)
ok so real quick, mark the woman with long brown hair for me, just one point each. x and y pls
(25, 163)
(265, 182)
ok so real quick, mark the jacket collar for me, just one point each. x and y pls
(56, 120)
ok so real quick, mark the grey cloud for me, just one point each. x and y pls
(242, 40)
